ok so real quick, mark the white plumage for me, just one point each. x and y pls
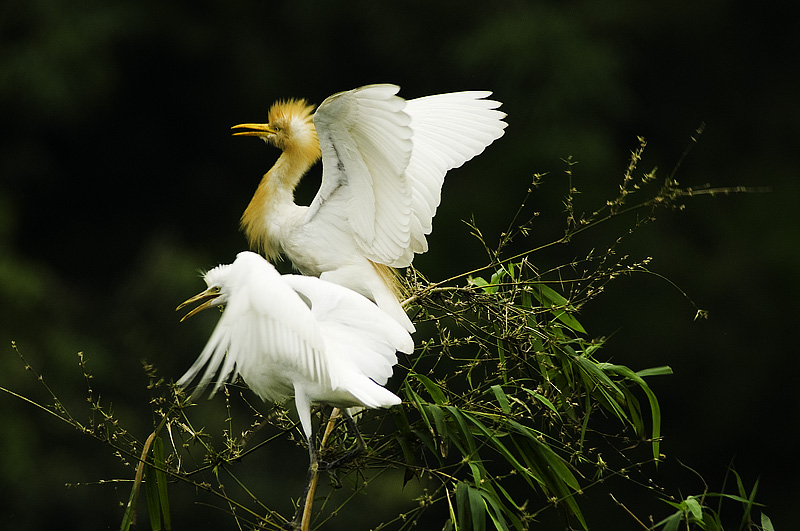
(383, 165)
(293, 335)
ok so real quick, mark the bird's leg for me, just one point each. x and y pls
(352, 453)
(302, 519)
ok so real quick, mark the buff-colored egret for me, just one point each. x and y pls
(383, 165)
(291, 335)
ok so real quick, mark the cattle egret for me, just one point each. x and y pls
(296, 335)
(383, 165)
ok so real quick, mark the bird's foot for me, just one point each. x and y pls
(343, 459)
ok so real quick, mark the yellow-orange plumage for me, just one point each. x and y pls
(290, 129)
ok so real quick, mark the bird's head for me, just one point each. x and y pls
(290, 126)
(215, 295)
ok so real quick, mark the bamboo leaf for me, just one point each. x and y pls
(153, 505)
(694, 508)
(477, 509)
(502, 399)
(672, 522)
(664, 370)
(436, 392)
(495, 441)
(543, 399)
(462, 504)
(558, 305)
(130, 513)
(428, 438)
(464, 429)
(161, 481)
(655, 409)
(453, 518)
(441, 428)
(494, 508)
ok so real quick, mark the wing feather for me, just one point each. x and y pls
(360, 336)
(384, 162)
(265, 326)
(449, 129)
(366, 145)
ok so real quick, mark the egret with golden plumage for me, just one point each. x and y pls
(383, 165)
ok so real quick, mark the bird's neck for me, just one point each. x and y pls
(275, 191)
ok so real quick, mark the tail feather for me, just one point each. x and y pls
(372, 395)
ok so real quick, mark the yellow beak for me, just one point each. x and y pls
(210, 294)
(259, 130)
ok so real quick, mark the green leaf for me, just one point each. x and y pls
(153, 505)
(497, 277)
(477, 509)
(462, 504)
(694, 507)
(436, 392)
(128, 516)
(496, 512)
(453, 518)
(766, 523)
(477, 281)
(161, 481)
(655, 409)
(543, 399)
(429, 438)
(673, 521)
(464, 429)
(665, 370)
(502, 399)
(489, 288)
(471, 507)
(559, 306)
(495, 441)
(441, 428)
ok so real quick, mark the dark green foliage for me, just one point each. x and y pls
(509, 403)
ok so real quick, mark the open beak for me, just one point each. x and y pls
(259, 130)
(208, 297)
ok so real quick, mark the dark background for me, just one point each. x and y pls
(119, 180)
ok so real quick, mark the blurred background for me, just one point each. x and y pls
(119, 181)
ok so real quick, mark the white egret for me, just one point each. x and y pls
(383, 165)
(291, 335)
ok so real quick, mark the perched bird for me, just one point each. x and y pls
(291, 335)
(383, 165)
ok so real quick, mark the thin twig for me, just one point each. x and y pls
(628, 511)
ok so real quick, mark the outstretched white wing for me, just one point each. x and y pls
(365, 139)
(384, 162)
(449, 129)
(265, 326)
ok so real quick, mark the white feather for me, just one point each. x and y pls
(302, 336)
(384, 161)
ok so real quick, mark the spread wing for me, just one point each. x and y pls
(265, 328)
(365, 139)
(384, 162)
(449, 129)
